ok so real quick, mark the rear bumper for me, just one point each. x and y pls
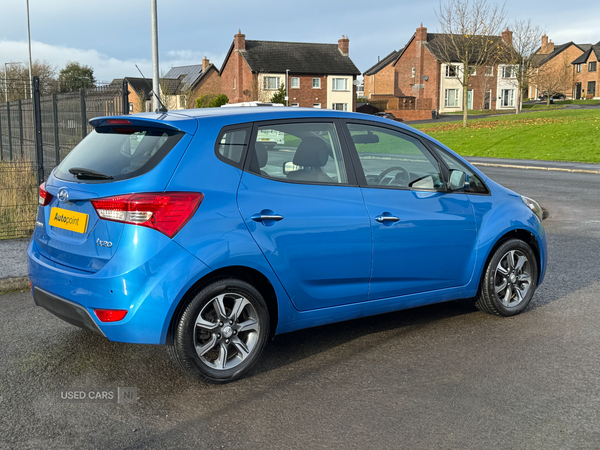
(64, 309)
(147, 281)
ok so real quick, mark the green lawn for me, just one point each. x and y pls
(562, 135)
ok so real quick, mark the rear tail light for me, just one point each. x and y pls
(44, 196)
(166, 212)
(110, 315)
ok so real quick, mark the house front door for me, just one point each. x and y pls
(470, 99)
(487, 100)
(577, 91)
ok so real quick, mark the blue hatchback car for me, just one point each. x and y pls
(212, 230)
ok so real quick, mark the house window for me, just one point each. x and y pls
(450, 71)
(339, 84)
(316, 83)
(317, 105)
(507, 97)
(148, 105)
(413, 72)
(489, 71)
(271, 83)
(592, 88)
(451, 98)
(296, 105)
(340, 106)
(578, 68)
(130, 107)
(473, 70)
(508, 72)
(295, 82)
(234, 82)
(592, 66)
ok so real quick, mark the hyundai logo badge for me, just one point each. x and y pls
(63, 195)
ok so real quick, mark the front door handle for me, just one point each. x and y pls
(260, 217)
(386, 219)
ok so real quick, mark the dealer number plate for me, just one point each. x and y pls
(68, 220)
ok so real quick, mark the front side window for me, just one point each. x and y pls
(592, 66)
(340, 84)
(295, 82)
(451, 98)
(299, 152)
(477, 186)
(393, 159)
(316, 83)
(271, 83)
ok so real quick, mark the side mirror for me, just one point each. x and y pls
(459, 181)
(290, 167)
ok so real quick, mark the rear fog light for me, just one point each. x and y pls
(110, 315)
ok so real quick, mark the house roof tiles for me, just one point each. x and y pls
(384, 62)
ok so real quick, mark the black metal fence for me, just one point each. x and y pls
(35, 135)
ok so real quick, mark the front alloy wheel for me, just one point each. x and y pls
(509, 280)
(222, 331)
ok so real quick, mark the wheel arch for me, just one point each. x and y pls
(524, 235)
(247, 274)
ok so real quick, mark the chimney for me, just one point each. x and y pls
(421, 34)
(507, 36)
(344, 45)
(547, 45)
(205, 64)
(239, 41)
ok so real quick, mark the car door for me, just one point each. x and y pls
(307, 215)
(423, 236)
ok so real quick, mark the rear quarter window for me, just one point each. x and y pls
(119, 152)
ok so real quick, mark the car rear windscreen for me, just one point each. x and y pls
(117, 153)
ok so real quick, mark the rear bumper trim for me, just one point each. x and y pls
(64, 309)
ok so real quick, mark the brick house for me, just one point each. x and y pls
(199, 79)
(140, 97)
(586, 74)
(422, 82)
(379, 79)
(319, 75)
(552, 58)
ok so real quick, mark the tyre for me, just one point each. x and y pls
(221, 332)
(509, 280)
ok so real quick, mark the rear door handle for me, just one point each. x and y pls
(386, 219)
(260, 217)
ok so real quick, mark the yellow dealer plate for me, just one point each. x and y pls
(68, 220)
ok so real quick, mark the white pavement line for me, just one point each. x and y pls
(556, 169)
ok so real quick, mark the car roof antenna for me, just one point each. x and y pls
(163, 108)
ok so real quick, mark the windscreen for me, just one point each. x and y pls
(117, 153)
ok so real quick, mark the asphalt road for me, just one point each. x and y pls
(443, 377)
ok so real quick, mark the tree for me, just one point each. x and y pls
(76, 76)
(553, 78)
(17, 80)
(469, 38)
(218, 101)
(279, 96)
(525, 41)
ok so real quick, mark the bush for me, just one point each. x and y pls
(219, 100)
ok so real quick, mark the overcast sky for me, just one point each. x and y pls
(112, 36)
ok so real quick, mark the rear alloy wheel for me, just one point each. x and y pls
(509, 281)
(221, 332)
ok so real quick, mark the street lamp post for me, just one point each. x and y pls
(29, 40)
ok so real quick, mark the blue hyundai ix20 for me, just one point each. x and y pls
(212, 230)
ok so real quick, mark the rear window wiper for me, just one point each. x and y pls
(88, 174)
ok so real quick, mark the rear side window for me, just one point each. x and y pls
(117, 153)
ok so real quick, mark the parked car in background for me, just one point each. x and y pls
(557, 96)
(387, 115)
(182, 229)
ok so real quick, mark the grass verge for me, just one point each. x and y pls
(563, 135)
